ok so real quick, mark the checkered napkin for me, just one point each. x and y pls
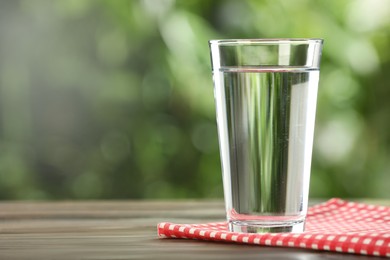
(335, 225)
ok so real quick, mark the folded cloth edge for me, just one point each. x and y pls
(365, 243)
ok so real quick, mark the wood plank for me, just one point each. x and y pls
(121, 230)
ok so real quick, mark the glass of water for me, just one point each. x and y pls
(265, 93)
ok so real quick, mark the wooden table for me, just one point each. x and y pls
(122, 230)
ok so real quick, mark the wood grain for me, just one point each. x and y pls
(121, 230)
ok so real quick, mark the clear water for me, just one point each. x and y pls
(265, 124)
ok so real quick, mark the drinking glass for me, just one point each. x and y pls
(265, 93)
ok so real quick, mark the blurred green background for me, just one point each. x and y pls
(114, 99)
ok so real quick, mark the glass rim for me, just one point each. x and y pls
(266, 41)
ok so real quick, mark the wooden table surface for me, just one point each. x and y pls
(122, 230)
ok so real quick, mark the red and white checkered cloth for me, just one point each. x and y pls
(335, 225)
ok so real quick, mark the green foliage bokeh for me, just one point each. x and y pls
(114, 99)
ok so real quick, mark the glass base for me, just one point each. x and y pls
(267, 227)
